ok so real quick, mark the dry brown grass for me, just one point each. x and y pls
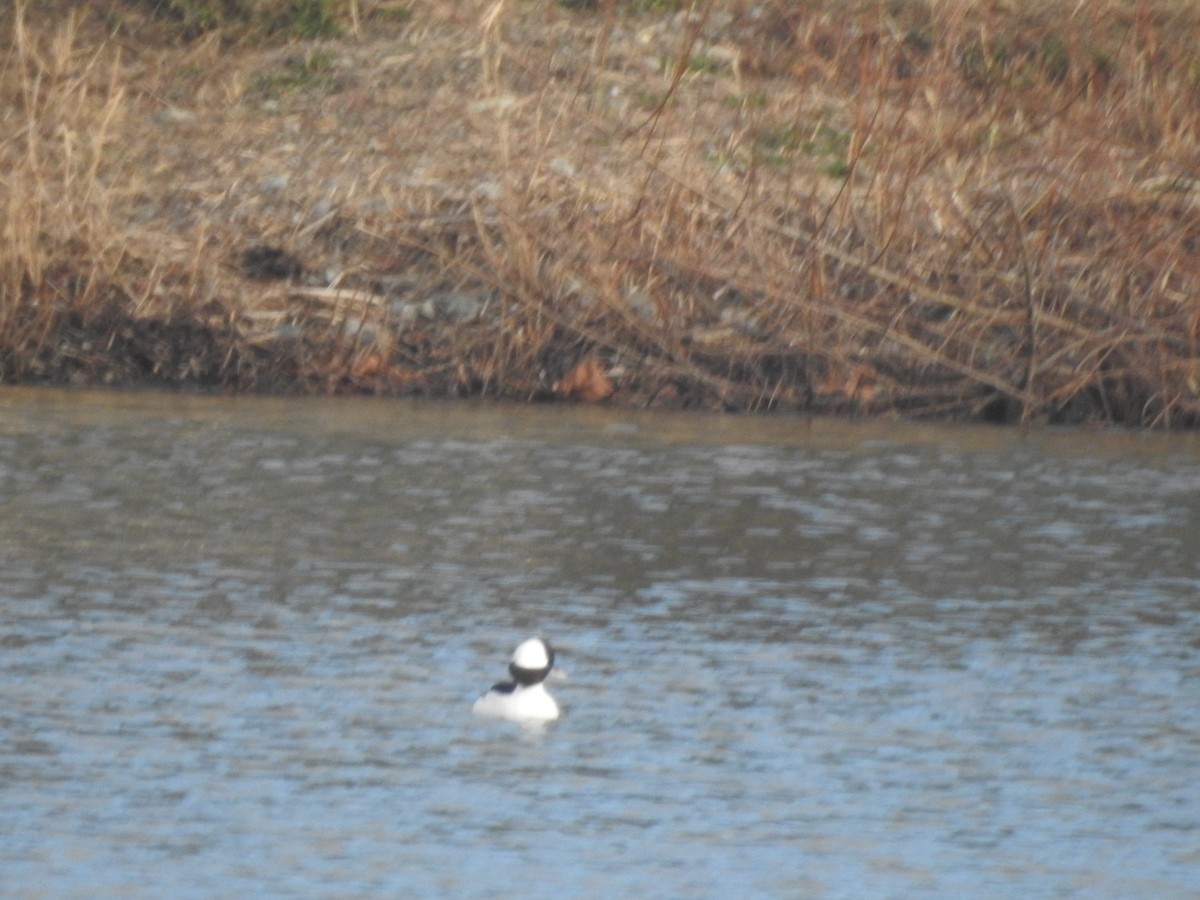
(920, 207)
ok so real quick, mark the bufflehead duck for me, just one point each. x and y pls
(525, 698)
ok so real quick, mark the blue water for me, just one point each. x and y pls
(240, 641)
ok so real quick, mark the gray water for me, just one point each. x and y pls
(240, 639)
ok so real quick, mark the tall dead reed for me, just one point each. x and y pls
(84, 295)
(58, 253)
(926, 208)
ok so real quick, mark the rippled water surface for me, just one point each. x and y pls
(239, 643)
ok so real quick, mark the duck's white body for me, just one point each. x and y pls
(522, 704)
(525, 698)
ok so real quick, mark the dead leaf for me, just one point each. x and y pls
(860, 385)
(586, 383)
(367, 366)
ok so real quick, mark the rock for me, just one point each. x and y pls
(357, 329)
(562, 166)
(642, 304)
(404, 312)
(173, 115)
(274, 184)
(742, 322)
(452, 306)
(288, 331)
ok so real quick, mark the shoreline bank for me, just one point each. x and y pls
(988, 216)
